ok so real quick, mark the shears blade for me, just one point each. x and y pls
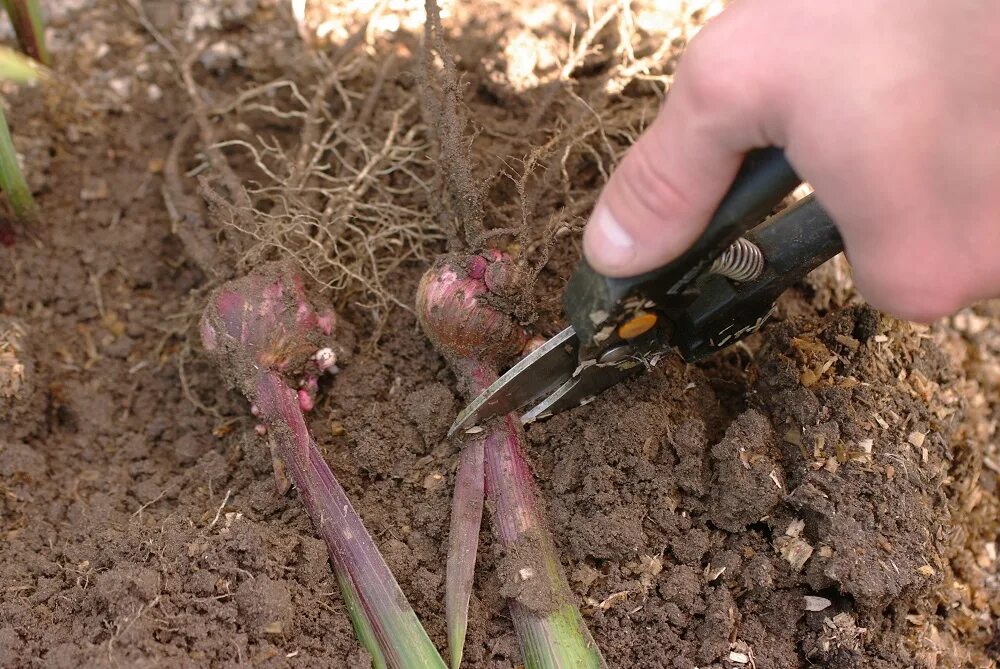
(540, 372)
(587, 382)
(552, 379)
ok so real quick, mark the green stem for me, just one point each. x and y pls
(383, 619)
(26, 15)
(11, 178)
(549, 626)
(550, 629)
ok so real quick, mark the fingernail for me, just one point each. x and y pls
(612, 245)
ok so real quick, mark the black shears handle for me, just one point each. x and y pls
(706, 311)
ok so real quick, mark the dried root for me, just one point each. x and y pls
(346, 199)
(575, 103)
(16, 371)
(328, 170)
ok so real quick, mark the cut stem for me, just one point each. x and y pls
(11, 178)
(26, 16)
(549, 626)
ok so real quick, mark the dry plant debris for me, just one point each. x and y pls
(343, 198)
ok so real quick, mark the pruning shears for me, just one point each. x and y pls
(719, 291)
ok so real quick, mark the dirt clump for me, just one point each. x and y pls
(746, 477)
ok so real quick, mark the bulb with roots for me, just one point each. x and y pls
(265, 322)
(266, 336)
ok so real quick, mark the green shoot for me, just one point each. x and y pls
(18, 68)
(26, 15)
(12, 179)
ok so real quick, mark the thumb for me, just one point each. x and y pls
(670, 182)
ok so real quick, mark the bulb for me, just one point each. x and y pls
(455, 311)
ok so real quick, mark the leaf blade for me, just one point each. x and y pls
(388, 618)
(12, 180)
(463, 542)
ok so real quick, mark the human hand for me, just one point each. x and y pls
(889, 108)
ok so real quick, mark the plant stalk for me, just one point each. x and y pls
(12, 179)
(463, 543)
(549, 626)
(26, 16)
(272, 344)
(458, 307)
(383, 620)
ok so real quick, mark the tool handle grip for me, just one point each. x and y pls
(764, 180)
(794, 242)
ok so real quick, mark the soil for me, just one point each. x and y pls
(827, 493)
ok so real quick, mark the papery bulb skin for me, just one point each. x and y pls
(454, 308)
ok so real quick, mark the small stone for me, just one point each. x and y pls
(337, 429)
(917, 439)
(926, 570)
(969, 322)
(94, 188)
(220, 57)
(813, 603)
(121, 87)
(433, 480)
(739, 658)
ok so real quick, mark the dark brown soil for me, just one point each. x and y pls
(825, 495)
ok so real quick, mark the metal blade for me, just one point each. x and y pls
(545, 368)
(588, 383)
